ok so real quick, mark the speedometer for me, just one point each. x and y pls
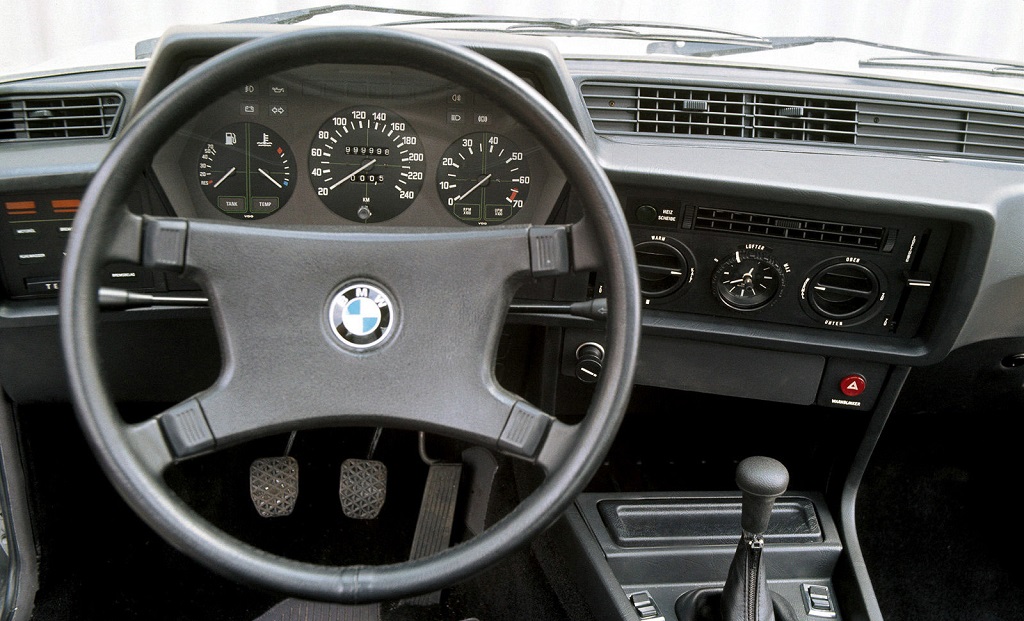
(483, 178)
(366, 164)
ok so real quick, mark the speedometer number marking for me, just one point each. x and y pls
(366, 164)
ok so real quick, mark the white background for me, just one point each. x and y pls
(34, 32)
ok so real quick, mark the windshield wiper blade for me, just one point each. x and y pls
(295, 17)
(685, 48)
(564, 25)
(641, 30)
(654, 30)
(949, 62)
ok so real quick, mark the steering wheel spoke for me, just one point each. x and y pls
(150, 444)
(339, 326)
(557, 446)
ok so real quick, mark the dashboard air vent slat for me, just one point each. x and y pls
(804, 119)
(59, 117)
(817, 231)
(919, 127)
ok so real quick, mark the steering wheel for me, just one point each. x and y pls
(274, 294)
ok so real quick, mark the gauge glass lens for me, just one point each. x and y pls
(483, 178)
(366, 164)
(245, 170)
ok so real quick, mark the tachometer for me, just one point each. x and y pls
(245, 170)
(483, 178)
(366, 164)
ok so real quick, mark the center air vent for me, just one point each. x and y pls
(763, 115)
(819, 231)
(71, 116)
(663, 268)
(842, 291)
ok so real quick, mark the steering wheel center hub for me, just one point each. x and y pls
(361, 315)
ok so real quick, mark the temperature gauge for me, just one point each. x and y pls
(246, 171)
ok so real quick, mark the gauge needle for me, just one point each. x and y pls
(226, 175)
(354, 173)
(473, 189)
(267, 175)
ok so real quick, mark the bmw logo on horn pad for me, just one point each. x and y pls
(361, 315)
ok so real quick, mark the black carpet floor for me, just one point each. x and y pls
(936, 517)
(99, 562)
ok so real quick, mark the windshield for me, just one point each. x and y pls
(979, 42)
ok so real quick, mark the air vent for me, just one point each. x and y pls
(663, 269)
(818, 231)
(48, 118)
(842, 291)
(941, 130)
(618, 108)
(804, 119)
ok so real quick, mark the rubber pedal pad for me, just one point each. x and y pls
(437, 515)
(274, 485)
(305, 610)
(362, 488)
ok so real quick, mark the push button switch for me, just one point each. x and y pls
(645, 607)
(818, 601)
(852, 385)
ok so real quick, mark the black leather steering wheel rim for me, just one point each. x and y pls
(104, 231)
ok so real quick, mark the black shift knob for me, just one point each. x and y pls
(762, 480)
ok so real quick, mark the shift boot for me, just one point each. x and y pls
(746, 596)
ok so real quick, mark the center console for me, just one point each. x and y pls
(669, 554)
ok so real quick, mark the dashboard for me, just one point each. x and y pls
(775, 249)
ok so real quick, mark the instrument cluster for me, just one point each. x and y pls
(368, 145)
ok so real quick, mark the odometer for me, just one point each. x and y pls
(366, 164)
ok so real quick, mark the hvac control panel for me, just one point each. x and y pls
(786, 264)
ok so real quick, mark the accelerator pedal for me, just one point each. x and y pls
(437, 513)
(274, 483)
(363, 485)
(296, 609)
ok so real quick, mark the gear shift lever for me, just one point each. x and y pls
(745, 596)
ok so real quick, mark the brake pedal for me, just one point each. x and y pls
(363, 485)
(274, 483)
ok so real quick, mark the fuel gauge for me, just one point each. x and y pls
(246, 171)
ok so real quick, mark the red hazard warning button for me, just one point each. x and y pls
(852, 385)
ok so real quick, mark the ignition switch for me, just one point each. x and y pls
(589, 358)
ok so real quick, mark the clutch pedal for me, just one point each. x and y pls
(274, 483)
